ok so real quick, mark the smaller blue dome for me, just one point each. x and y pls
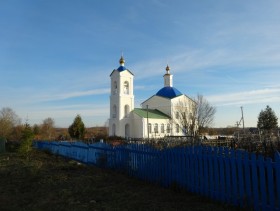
(121, 68)
(169, 92)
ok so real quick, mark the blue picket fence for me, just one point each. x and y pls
(230, 176)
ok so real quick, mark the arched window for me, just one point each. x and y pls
(115, 87)
(190, 115)
(162, 128)
(156, 128)
(168, 128)
(184, 116)
(114, 114)
(149, 128)
(177, 128)
(114, 130)
(177, 115)
(126, 111)
(126, 87)
(185, 131)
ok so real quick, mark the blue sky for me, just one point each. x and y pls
(56, 55)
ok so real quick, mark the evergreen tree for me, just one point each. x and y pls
(26, 140)
(77, 129)
(267, 120)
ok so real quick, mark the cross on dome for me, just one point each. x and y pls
(121, 67)
(167, 69)
(122, 61)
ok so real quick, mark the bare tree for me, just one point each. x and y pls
(205, 112)
(47, 128)
(186, 116)
(8, 120)
(195, 115)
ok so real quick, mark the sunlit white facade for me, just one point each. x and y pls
(159, 115)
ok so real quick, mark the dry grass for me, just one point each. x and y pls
(49, 182)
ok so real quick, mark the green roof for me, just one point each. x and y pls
(152, 113)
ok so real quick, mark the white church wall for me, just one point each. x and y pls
(140, 127)
(137, 129)
(181, 104)
(123, 122)
(121, 103)
(156, 130)
(126, 93)
(160, 103)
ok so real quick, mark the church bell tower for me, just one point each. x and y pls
(121, 101)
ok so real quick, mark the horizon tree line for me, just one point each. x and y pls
(201, 116)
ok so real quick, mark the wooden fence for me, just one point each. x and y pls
(230, 176)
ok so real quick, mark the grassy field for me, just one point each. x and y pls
(49, 182)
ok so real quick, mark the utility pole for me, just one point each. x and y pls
(242, 118)
(239, 123)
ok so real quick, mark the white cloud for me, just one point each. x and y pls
(68, 95)
(266, 95)
(64, 115)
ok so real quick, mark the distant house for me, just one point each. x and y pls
(159, 115)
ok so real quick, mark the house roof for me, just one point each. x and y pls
(169, 92)
(150, 113)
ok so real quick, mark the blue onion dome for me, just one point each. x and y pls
(168, 92)
(122, 67)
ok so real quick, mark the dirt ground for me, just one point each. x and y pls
(49, 182)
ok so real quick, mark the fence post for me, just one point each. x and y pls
(255, 181)
(205, 172)
(222, 175)
(228, 187)
(216, 174)
(262, 181)
(270, 181)
(248, 191)
(234, 177)
(201, 173)
(240, 177)
(188, 168)
(277, 176)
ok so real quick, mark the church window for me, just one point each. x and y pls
(115, 87)
(126, 111)
(168, 128)
(127, 132)
(150, 128)
(184, 116)
(184, 130)
(177, 115)
(114, 111)
(114, 129)
(177, 128)
(162, 128)
(190, 116)
(156, 128)
(126, 88)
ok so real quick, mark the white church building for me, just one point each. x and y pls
(159, 115)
